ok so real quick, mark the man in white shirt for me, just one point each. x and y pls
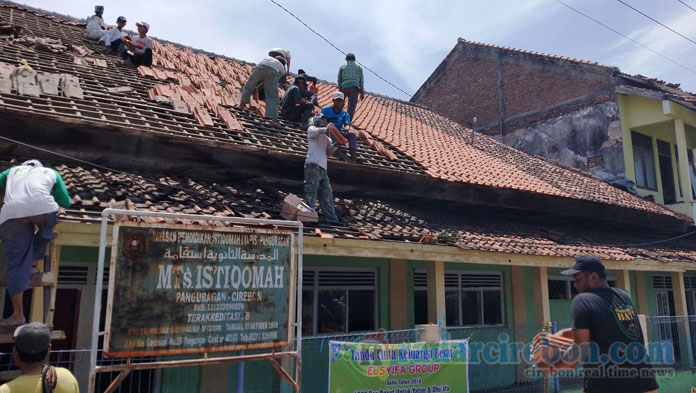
(32, 196)
(95, 24)
(316, 178)
(140, 46)
(269, 71)
(113, 38)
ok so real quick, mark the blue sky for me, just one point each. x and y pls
(405, 40)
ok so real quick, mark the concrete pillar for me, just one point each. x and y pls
(398, 295)
(519, 315)
(684, 170)
(540, 286)
(436, 292)
(623, 280)
(642, 293)
(681, 312)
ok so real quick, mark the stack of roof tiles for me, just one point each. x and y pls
(193, 95)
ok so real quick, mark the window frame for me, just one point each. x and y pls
(481, 289)
(315, 288)
(643, 151)
(569, 284)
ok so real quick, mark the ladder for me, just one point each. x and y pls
(42, 302)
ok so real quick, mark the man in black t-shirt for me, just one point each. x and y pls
(604, 317)
(294, 107)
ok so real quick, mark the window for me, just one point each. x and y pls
(338, 300)
(643, 161)
(561, 287)
(692, 172)
(471, 299)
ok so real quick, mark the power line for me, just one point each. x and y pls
(338, 49)
(627, 37)
(692, 8)
(658, 22)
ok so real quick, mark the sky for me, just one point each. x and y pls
(405, 40)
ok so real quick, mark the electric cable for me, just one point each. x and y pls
(657, 21)
(338, 49)
(692, 8)
(626, 37)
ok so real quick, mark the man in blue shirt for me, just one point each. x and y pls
(340, 118)
(294, 107)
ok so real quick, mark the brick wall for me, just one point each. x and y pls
(466, 83)
(468, 87)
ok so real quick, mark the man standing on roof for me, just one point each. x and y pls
(95, 24)
(141, 46)
(340, 118)
(351, 83)
(32, 344)
(294, 107)
(269, 71)
(605, 329)
(316, 178)
(32, 196)
(113, 38)
(285, 54)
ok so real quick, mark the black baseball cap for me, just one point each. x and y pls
(32, 338)
(585, 263)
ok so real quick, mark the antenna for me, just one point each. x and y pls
(473, 124)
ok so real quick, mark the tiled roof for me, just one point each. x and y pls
(669, 91)
(529, 52)
(394, 134)
(92, 190)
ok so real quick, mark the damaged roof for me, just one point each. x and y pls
(189, 97)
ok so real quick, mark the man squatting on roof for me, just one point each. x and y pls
(32, 344)
(269, 71)
(341, 119)
(27, 219)
(113, 38)
(315, 170)
(294, 107)
(141, 46)
(604, 316)
(95, 24)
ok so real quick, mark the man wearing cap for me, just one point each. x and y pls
(285, 54)
(340, 118)
(351, 83)
(32, 196)
(604, 317)
(316, 178)
(32, 343)
(140, 46)
(294, 107)
(268, 72)
(95, 24)
(113, 38)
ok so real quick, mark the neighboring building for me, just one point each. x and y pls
(437, 223)
(578, 113)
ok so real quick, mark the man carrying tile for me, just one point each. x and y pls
(351, 83)
(285, 54)
(140, 46)
(268, 72)
(95, 24)
(316, 178)
(113, 38)
(32, 196)
(293, 107)
(341, 119)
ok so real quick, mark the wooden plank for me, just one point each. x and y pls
(7, 337)
(37, 279)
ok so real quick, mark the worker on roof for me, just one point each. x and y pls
(294, 107)
(341, 119)
(140, 48)
(95, 24)
(113, 38)
(316, 179)
(32, 196)
(281, 52)
(269, 71)
(312, 90)
(351, 83)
